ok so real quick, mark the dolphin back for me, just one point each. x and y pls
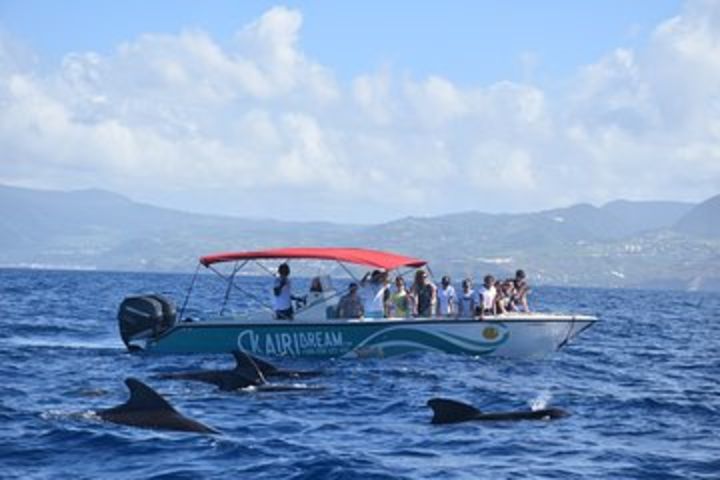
(244, 361)
(143, 397)
(451, 411)
(543, 414)
(248, 371)
(252, 368)
(148, 409)
(249, 363)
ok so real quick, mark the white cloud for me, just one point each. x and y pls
(435, 100)
(373, 95)
(505, 166)
(271, 44)
(648, 120)
(179, 111)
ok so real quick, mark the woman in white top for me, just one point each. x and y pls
(375, 294)
(488, 293)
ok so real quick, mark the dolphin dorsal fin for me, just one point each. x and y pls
(243, 358)
(143, 397)
(248, 365)
(265, 367)
(451, 411)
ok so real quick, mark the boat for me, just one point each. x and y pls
(152, 323)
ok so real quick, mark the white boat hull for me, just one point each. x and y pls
(510, 335)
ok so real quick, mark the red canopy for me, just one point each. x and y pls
(360, 256)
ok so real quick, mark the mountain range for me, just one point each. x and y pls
(620, 244)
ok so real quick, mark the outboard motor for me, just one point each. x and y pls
(144, 316)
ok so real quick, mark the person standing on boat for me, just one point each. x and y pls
(399, 304)
(283, 293)
(424, 294)
(446, 298)
(468, 300)
(488, 294)
(520, 302)
(505, 295)
(350, 304)
(375, 294)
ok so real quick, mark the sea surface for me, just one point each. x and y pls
(642, 387)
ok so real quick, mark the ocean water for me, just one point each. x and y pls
(642, 388)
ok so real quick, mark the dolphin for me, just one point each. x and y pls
(270, 370)
(147, 409)
(248, 372)
(452, 411)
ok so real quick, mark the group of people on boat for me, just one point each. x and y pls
(374, 297)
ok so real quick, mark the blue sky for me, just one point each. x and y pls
(467, 41)
(363, 111)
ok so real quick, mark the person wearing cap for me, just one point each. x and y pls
(350, 304)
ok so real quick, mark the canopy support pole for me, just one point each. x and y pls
(190, 289)
(242, 290)
(254, 297)
(231, 282)
(402, 274)
(347, 270)
(261, 265)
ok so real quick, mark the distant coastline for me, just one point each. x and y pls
(622, 244)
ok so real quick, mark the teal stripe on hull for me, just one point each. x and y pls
(335, 340)
(403, 340)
